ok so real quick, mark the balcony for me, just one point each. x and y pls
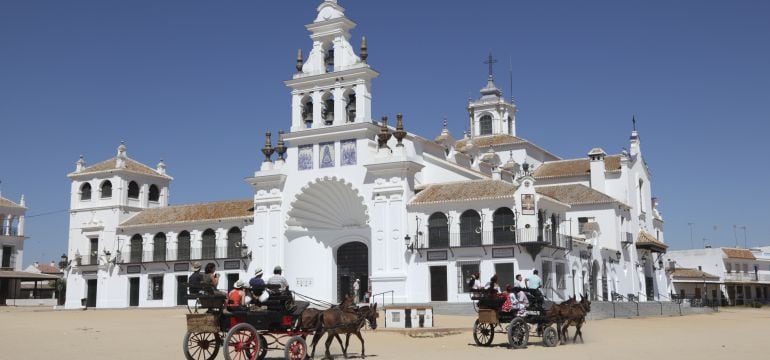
(496, 237)
(219, 253)
(9, 231)
(747, 277)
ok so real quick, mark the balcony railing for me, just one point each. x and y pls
(499, 237)
(747, 276)
(9, 231)
(185, 255)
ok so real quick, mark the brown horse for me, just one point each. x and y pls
(338, 321)
(558, 312)
(310, 320)
(576, 316)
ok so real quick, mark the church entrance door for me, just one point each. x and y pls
(352, 264)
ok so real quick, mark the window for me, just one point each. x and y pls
(209, 244)
(183, 246)
(485, 125)
(106, 189)
(85, 192)
(642, 208)
(155, 288)
(154, 193)
(470, 228)
(504, 226)
(94, 254)
(505, 275)
(234, 238)
(136, 249)
(438, 231)
(159, 247)
(396, 317)
(547, 275)
(561, 271)
(582, 222)
(133, 190)
(464, 272)
(745, 268)
(729, 267)
(510, 126)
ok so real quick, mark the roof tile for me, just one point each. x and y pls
(574, 167)
(739, 254)
(131, 166)
(465, 191)
(576, 194)
(192, 213)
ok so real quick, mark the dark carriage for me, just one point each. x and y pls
(492, 319)
(245, 333)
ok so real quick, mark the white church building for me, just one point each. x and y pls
(343, 196)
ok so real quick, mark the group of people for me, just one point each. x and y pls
(238, 298)
(514, 295)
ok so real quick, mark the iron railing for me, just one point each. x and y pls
(9, 230)
(499, 237)
(185, 255)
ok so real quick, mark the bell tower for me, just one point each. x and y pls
(333, 86)
(491, 114)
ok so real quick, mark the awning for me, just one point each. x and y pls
(26, 276)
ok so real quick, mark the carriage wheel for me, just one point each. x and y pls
(518, 333)
(262, 348)
(242, 343)
(201, 345)
(550, 337)
(296, 348)
(483, 333)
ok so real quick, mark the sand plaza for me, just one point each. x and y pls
(42, 333)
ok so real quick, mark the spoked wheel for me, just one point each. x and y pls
(550, 337)
(483, 333)
(242, 343)
(201, 345)
(296, 348)
(518, 333)
(262, 348)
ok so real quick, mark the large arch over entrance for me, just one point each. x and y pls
(352, 264)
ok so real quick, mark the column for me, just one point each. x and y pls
(196, 244)
(7, 221)
(339, 105)
(296, 112)
(21, 225)
(147, 246)
(221, 236)
(363, 103)
(317, 107)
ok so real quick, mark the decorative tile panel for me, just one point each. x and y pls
(326, 155)
(348, 149)
(305, 157)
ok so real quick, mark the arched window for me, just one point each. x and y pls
(470, 228)
(438, 231)
(234, 238)
(154, 193)
(504, 226)
(85, 191)
(106, 189)
(209, 244)
(485, 125)
(350, 108)
(133, 190)
(327, 109)
(136, 249)
(159, 247)
(642, 208)
(510, 125)
(183, 246)
(307, 111)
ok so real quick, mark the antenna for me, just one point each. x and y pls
(510, 75)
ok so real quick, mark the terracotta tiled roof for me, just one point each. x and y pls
(738, 254)
(192, 213)
(465, 191)
(692, 274)
(490, 140)
(645, 239)
(576, 194)
(48, 269)
(9, 204)
(574, 167)
(131, 166)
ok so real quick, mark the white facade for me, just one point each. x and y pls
(12, 216)
(348, 198)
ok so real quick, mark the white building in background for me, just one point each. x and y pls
(11, 244)
(728, 275)
(349, 198)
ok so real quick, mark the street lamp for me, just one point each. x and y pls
(408, 242)
(63, 261)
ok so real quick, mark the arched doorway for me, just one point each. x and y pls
(352, 264)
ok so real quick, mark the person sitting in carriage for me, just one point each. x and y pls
(258, 293)
(518, 299)
(236, 299)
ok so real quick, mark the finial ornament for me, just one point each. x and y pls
(268, 149)
(400, 134)
(364, 49)
(445, 123)
(384, 135)
(490, 61)
(280, 148)
(300, 61)
(633, 120)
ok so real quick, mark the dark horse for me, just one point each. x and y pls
(338, 321)
(576, 315)
(310, 320)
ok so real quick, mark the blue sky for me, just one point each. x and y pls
(197, 83)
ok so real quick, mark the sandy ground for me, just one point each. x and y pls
(29, 333)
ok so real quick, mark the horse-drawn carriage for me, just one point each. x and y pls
(246, 333)
(514, 323)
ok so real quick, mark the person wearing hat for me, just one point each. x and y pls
(194, 281)
(278, 279)
(257, 284)
(236, 300)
